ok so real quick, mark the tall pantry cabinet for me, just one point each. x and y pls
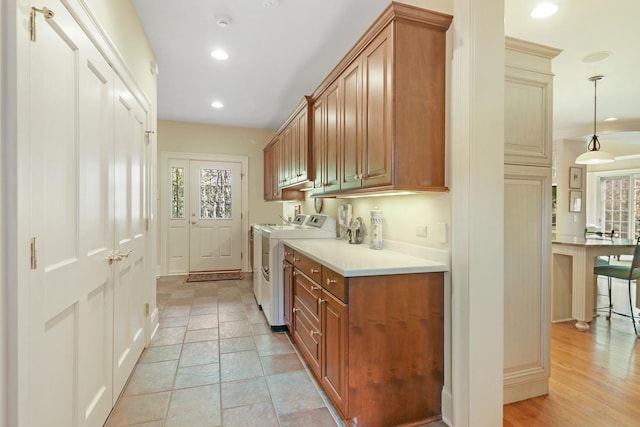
(527, 219)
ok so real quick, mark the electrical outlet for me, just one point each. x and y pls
(421, 231)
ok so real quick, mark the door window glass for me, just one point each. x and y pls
(177, 192)
(215, 194)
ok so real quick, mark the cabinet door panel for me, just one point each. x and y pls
(377, 63)
(352, 167)
(334, 124)
(287, 280)
(334, 350)
(318, 143)
(306, 294)
(308, 339)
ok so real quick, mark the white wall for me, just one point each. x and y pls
(569, 223)
(3, 284)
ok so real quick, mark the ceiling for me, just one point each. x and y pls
(279, 54)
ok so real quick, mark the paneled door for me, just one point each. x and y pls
(215, 237)
(87, 283)
(131, 279)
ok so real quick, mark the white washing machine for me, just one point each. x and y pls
(272, 258)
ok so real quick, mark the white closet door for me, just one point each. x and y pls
(71, 218)
(131, 275)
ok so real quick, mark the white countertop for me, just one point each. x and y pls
(359, 260)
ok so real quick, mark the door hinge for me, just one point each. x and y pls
(48, 14)
(241, 255)
(148, 135)
(146, 310)
(146, 224)
(34, 256)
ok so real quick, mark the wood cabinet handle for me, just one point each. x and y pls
(296, 259)
(315, 288)
(331, 281)
(314, 271)
(295, 310)
(320, 301)
(285, 264)
(287, 253)
(312, 333)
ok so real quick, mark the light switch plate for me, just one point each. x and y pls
(442, 232)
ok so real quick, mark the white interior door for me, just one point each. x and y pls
(71, 220)
(87, 203)
(130, 275)
(215, 238)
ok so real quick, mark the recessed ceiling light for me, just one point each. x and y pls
(611, 119)
(270, 4)
(544, 10)
(596, 56)
(217, 104)
(220, 54)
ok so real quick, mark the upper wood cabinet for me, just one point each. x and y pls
(384, 104)
(287, 163)
(528, 103)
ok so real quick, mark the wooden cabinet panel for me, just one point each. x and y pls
(334, 350)
(377, 66)
(334, 283)
(306, 295)
(276, 172)
(318, 142)
(332, 139)
(352, 116)
(287, 280)
(306, 335)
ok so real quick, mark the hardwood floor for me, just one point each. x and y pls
(595, 375)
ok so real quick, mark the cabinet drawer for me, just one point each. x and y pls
(307, 336)
(306, 294)
(288, 254)
(334, 283)
(308, 266)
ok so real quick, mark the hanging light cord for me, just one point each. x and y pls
(594, 144)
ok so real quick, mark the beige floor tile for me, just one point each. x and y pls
(260, 328)
(170, 322)
(168, 336)
(205, 321)
(232, 345)
(201, 335)
(139, 409)
(281, 363)
(230, 306)
(320, 417)
(200, 309)
(175, 310)
(240, 365)
(235, 329)
(275, 343)
(195, 407)
(199, 353)
(194, 376)
(151, 378)
(160, 354)
(230, 317)
(293, 392)
(244, 392)
(256, 316)
(256, 415)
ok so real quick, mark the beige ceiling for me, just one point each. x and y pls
(277, 55)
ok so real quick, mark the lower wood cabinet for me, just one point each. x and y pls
(374, 343)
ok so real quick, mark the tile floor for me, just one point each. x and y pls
(214, 361)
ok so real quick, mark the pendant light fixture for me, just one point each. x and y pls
(594, 156)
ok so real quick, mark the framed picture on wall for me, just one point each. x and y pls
(575, 178)
(575, 201)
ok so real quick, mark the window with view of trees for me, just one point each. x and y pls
(177, 193)
(620, 204)
(215, 194)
